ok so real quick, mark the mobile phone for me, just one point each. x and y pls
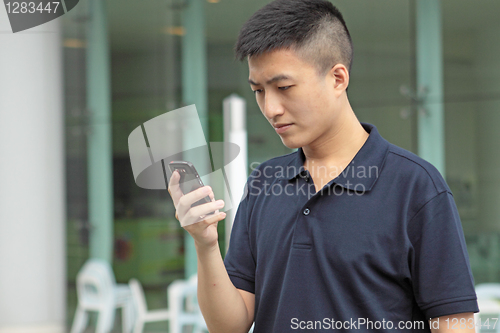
(190, 179)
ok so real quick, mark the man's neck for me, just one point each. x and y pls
(334, 153)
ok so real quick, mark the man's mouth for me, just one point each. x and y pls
(281, 127)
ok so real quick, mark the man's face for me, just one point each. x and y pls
(290, 92)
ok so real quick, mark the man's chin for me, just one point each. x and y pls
(291, 144)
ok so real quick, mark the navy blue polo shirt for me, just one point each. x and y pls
(379, 248)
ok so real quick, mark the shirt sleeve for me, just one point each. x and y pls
(239, 260)
(438, 260)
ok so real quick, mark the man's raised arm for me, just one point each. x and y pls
(225, 308)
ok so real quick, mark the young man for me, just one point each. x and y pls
(349, 233)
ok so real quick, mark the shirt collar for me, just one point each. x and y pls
(364, 169)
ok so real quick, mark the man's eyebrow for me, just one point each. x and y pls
(279, 77)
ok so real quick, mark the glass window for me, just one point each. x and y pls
(471, 48)
(144, 48)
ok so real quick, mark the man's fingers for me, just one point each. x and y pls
(207, 208)
(174, 189)
(182, 202)
(190, 198)
(215, 218)
(205, 222)
(199, 213)
(174, 179)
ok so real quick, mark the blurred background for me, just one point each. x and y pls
(425, 72)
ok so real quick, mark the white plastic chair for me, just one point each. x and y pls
(488, 299)
(97, 291)
(183, 306)
(142, 315)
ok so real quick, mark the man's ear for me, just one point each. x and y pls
(340, 75)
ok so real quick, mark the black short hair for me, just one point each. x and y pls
(314, 29)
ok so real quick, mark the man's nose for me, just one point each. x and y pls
(272, 106)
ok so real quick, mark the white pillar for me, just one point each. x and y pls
(32, 210)
(235, 131)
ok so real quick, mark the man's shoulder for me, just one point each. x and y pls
(411, 166)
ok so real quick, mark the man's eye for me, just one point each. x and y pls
(284, 88)
(257, 91)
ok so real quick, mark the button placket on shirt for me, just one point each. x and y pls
(302, 238)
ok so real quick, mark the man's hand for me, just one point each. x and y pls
(457, 323)
(192, 219)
